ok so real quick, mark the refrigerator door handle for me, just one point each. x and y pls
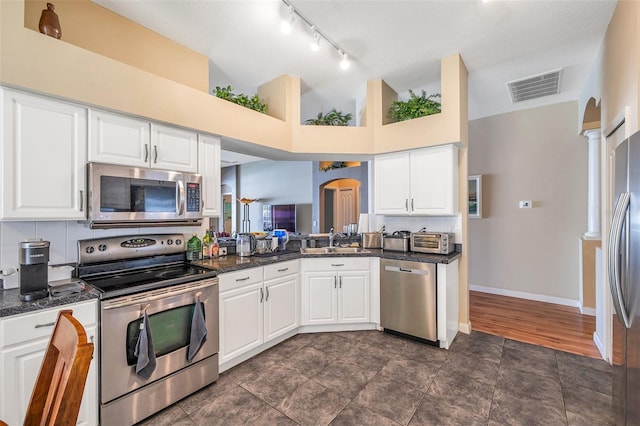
(615, 236)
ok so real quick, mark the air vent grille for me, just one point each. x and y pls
(536, 86)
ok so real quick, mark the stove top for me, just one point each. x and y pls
(119, 266)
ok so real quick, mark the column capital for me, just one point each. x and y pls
(592, 134)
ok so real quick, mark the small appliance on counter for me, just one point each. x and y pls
(372, 240)
(433, 242)
(283, 238)
(34, 277)
(245, 244)
(397, 241)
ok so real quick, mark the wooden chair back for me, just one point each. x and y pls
(57, 394)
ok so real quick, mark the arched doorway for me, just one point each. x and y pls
(339, 204)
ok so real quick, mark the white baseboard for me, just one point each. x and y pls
(464, 327)
(528, 296)
(588, 311)
(598, 343)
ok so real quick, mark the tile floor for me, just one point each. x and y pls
(373, 378)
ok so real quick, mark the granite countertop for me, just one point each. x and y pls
(10, 303)
(232, 263)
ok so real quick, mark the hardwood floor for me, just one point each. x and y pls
(554, 326)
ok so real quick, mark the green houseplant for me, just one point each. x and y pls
(416, 106)
(332, 118)
(241, 99)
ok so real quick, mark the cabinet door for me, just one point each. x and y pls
(43, 158)
(320, 298)
(116, 139)
(241, 320)
(434, 181)
(281, 308)
(209, 168)
(353, 296)
(392, 184)
(173, 149)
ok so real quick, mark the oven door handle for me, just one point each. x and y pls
(182, 200)
(172, 292)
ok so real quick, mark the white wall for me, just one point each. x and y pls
(273, 182)
(535, 155)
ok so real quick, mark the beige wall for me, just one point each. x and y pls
(533, 155)
(92, 27)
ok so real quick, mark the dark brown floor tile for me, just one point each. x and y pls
(225, 382)
(357, 415)
(473, 368)
(308, 361)
(577, 419)
(367, 357)
(234, 407)
(422, 352)
(434, 411)
(169, 416)
(331, 344)
(584, 372)
(274, 417)
(275, 384)
(589, 404)
(532, 361)
(391, 398)
(455, 388)
(478, 345)
(384, 341)
(345, 377)
(530, 385)
(313, 404)
(532, 350)
(566, 359)
(516, 410)
(418, 375)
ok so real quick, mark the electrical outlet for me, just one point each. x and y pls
(222, 251)
(526, 204)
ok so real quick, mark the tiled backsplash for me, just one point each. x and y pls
(415, 223)
(63, 237)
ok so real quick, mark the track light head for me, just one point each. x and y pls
(315, 44)
(344, 62)
(287, 24)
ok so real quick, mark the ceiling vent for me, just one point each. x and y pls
(536, 86)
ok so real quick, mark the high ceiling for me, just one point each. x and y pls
(401, 42)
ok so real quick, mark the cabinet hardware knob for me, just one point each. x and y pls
(261, 295)
(335, 282)
(282, 270)
(337, 264)
(412, 204)
(406, 204)
(340, 281)
(267, 298)
(155, 153)
(146, 153)
(242, 279)
(81, 200)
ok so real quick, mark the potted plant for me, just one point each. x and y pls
(332, 118)
(416, 106)
(241, 99)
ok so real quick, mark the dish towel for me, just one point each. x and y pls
(198, 331)
(144, 350)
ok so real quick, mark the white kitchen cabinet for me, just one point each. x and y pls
(23, 342)
(419, 182)
(209, 168)
(257, 305)
(336, 291)
(118, 139)
(173, 148)
(43, 156)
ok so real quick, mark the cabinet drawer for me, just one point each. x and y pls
(31, 326)
(281, 269)
(237, 279)
(336, 264)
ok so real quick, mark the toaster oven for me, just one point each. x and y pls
(433, 242)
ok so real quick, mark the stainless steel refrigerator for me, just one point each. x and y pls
(624, 281)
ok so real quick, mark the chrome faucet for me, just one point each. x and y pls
(331, 235)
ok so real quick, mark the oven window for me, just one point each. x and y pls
(170, 331)
(129, 195)
(431, 243)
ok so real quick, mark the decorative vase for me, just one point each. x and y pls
(49, 23)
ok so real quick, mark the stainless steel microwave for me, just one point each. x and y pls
(125, 197)
(433, 242)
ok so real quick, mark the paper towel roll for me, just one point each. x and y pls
(363, 223)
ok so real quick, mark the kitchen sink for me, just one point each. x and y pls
(333, 250)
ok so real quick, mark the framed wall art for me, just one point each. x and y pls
(475, 197)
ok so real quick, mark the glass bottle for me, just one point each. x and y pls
(215, 246)
(194, 248)
(206, 245)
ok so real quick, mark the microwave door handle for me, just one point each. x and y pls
(181, 196)
(615, 236)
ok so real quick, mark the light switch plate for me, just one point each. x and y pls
(526, 204)
(222, 251)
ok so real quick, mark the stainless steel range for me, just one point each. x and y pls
(158, 323)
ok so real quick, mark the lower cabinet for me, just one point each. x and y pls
(257, 305)
(335, 291)
(23, 341)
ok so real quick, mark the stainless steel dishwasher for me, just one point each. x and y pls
(408, 303)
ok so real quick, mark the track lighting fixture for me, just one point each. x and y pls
(286, 28)
(287, 24)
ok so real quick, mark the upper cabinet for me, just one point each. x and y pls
(420, 182)
(118, 139)
(43, 156)
(209, 168)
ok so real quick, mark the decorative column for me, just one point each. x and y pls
(593, 202)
